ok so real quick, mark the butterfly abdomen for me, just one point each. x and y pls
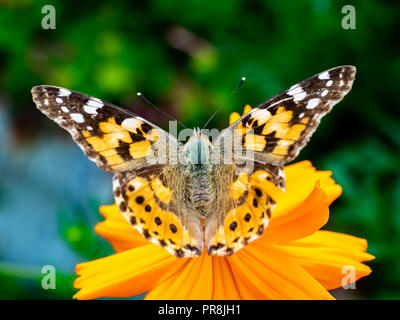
(200, 191)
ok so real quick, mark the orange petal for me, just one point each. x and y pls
(118, 231)
(300, 221)
(266, 273)
(195, 281)
(233, 117)
(111, 212)
(247, 109)
(126, 274)
(300, 181)
(325, 253)
(224, 280)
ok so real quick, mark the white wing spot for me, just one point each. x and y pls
(131, 124)
(59, 100)
(324, 75)
(261, 116)
(89, 128)
(89, 109)
(329, 83)
(341, 83)
(300, 96)
(46, 102)
(64, 109)
(301, 115)
(77, 117)
(64, 92)
(294, 89)
(324, 93)
(312, 103)
(94, 103)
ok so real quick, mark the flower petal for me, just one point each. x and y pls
(126, 274)
(224, 280)
(324, 255)
(264, 272)
(193, 282)
(233, 117)
(118, 231)
(300, 221)
(301, 178)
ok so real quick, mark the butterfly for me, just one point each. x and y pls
(183, 196)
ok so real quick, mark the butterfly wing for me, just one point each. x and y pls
(258, 145)
(244, 204)
(116, 139)
(153, 202)
(277, 129)
(147, 181)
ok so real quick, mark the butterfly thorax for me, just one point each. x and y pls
(199, 191)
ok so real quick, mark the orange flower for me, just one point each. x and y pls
(293, 259)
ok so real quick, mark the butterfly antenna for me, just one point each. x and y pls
(243, 79)
(140, 95)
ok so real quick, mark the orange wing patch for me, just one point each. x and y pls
(264, 131)
(111, 136)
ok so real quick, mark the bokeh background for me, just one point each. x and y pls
(187, 57)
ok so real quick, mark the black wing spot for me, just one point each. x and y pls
(122, 206)
(132, 220)
(179, 253)
(157, 220)
(173, 228)
(233, 225)
(139, 200)
(255, 203)
(247, 217)
(147, 208)
(146, 234)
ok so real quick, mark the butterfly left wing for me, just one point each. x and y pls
(147, 182)
(153, 202)
(257, 146)
(115, 138)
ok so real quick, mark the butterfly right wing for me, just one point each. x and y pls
(276, 130)
(153, 202)
(243, 206)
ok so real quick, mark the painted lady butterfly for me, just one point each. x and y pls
(172, 202)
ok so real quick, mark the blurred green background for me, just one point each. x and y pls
(187, 57)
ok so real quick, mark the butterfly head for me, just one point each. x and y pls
(197, 150)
